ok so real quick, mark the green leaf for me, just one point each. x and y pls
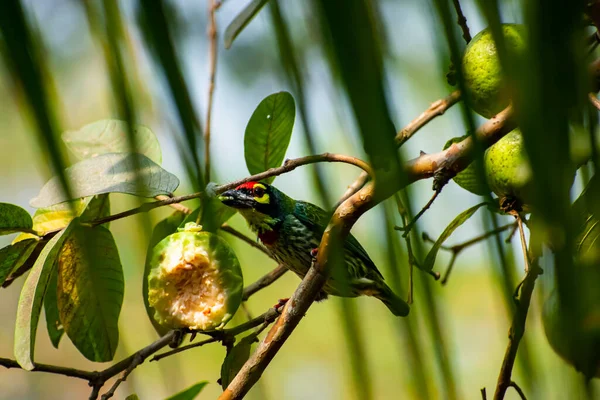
(235, 359)
(456, 222)
(53, 324)
(268, 133)
(14, 219)
(241, 20)
(215, 215)
(163, 229)
(110, 136)
(90, 291)
(132, 397)
(32, 295)
(14, 255)
(109, 173)
(189, 393)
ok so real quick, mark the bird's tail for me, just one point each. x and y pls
(397, 306)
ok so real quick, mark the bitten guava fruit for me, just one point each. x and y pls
(195, 280)
(467, 178)
(507, 169)
(484, 79)
(574, 334)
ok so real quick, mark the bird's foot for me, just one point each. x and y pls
(280, 304)
(314, 253)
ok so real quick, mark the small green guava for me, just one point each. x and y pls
(484, 79)
(195, 280)
(507, 169)
(467, 178)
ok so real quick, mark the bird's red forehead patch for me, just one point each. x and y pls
(247, 185)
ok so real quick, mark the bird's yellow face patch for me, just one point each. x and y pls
(260, 194)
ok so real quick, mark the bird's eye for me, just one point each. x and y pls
(259, 192)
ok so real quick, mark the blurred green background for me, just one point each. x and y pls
(314, 363)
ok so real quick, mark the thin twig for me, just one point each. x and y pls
(407, 228)
(212, 38)
(458, 248)
(462, 21)
(160, 356)
(288, 165)
(264, 281)
(234, 232)
(52, 369)
(436, 109)
(483, 394)
(517, 328)
(514, 385)
(412, 261)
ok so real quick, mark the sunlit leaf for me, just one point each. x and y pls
(30, 301)
(110, 173)
(456, 222)
(14, 255)
(53, 324)
(268, 132)
(90, 291)
(53, 218)
(189, 393)
(14, 219)
(241, 20)
(163, 229)
(235, 359)
(110, 136)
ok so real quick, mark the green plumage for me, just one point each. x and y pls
(291, 229)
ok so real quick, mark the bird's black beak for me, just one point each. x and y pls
(236, 199)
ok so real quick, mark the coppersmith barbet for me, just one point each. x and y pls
(292, 229)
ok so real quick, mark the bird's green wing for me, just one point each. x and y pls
(316, 219)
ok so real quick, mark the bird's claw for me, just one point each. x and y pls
(314, 253)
